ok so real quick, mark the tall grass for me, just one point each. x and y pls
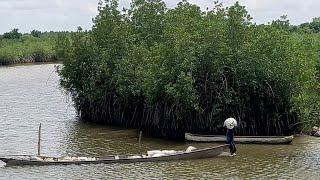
(27, 49)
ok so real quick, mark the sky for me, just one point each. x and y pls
(67, 15)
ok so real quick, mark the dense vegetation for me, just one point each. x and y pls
(36, 46)
(170, 71)
(312, 27)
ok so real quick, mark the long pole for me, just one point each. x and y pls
(140, 135)
(39, 139)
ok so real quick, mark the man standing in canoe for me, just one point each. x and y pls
(230, 124)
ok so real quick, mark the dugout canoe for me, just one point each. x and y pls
(180, 155)
(240, 139)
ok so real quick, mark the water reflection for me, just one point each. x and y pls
(93, 140)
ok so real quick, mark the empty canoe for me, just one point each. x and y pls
(240, 139)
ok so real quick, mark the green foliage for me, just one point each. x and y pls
(26, 49)
(13, 34)
(174, 70)
(83, 77)
(62, 47)
(312, 27)
(35, 33)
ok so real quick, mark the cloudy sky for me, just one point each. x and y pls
(57, 15)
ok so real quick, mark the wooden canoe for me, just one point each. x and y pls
(181, 155)
(240, 139)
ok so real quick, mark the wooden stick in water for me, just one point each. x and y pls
(140, 135)
(39, 139)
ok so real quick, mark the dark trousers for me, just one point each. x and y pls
(230, 141)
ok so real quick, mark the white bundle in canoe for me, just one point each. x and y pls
(190, 148)
(67, 158)
(159, 153)
(154, 153)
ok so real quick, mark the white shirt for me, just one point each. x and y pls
(230, 123)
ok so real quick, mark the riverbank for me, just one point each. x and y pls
(26, 61)
(55, 62)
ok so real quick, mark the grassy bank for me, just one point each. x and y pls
(170, 71)
(28, 48)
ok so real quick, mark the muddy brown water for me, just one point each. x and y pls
(30, 94)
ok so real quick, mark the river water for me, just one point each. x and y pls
(30, 94)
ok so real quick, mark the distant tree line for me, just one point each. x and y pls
(13, 34)
(310, 27)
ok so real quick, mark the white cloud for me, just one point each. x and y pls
(46, 15)
(298, 11)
